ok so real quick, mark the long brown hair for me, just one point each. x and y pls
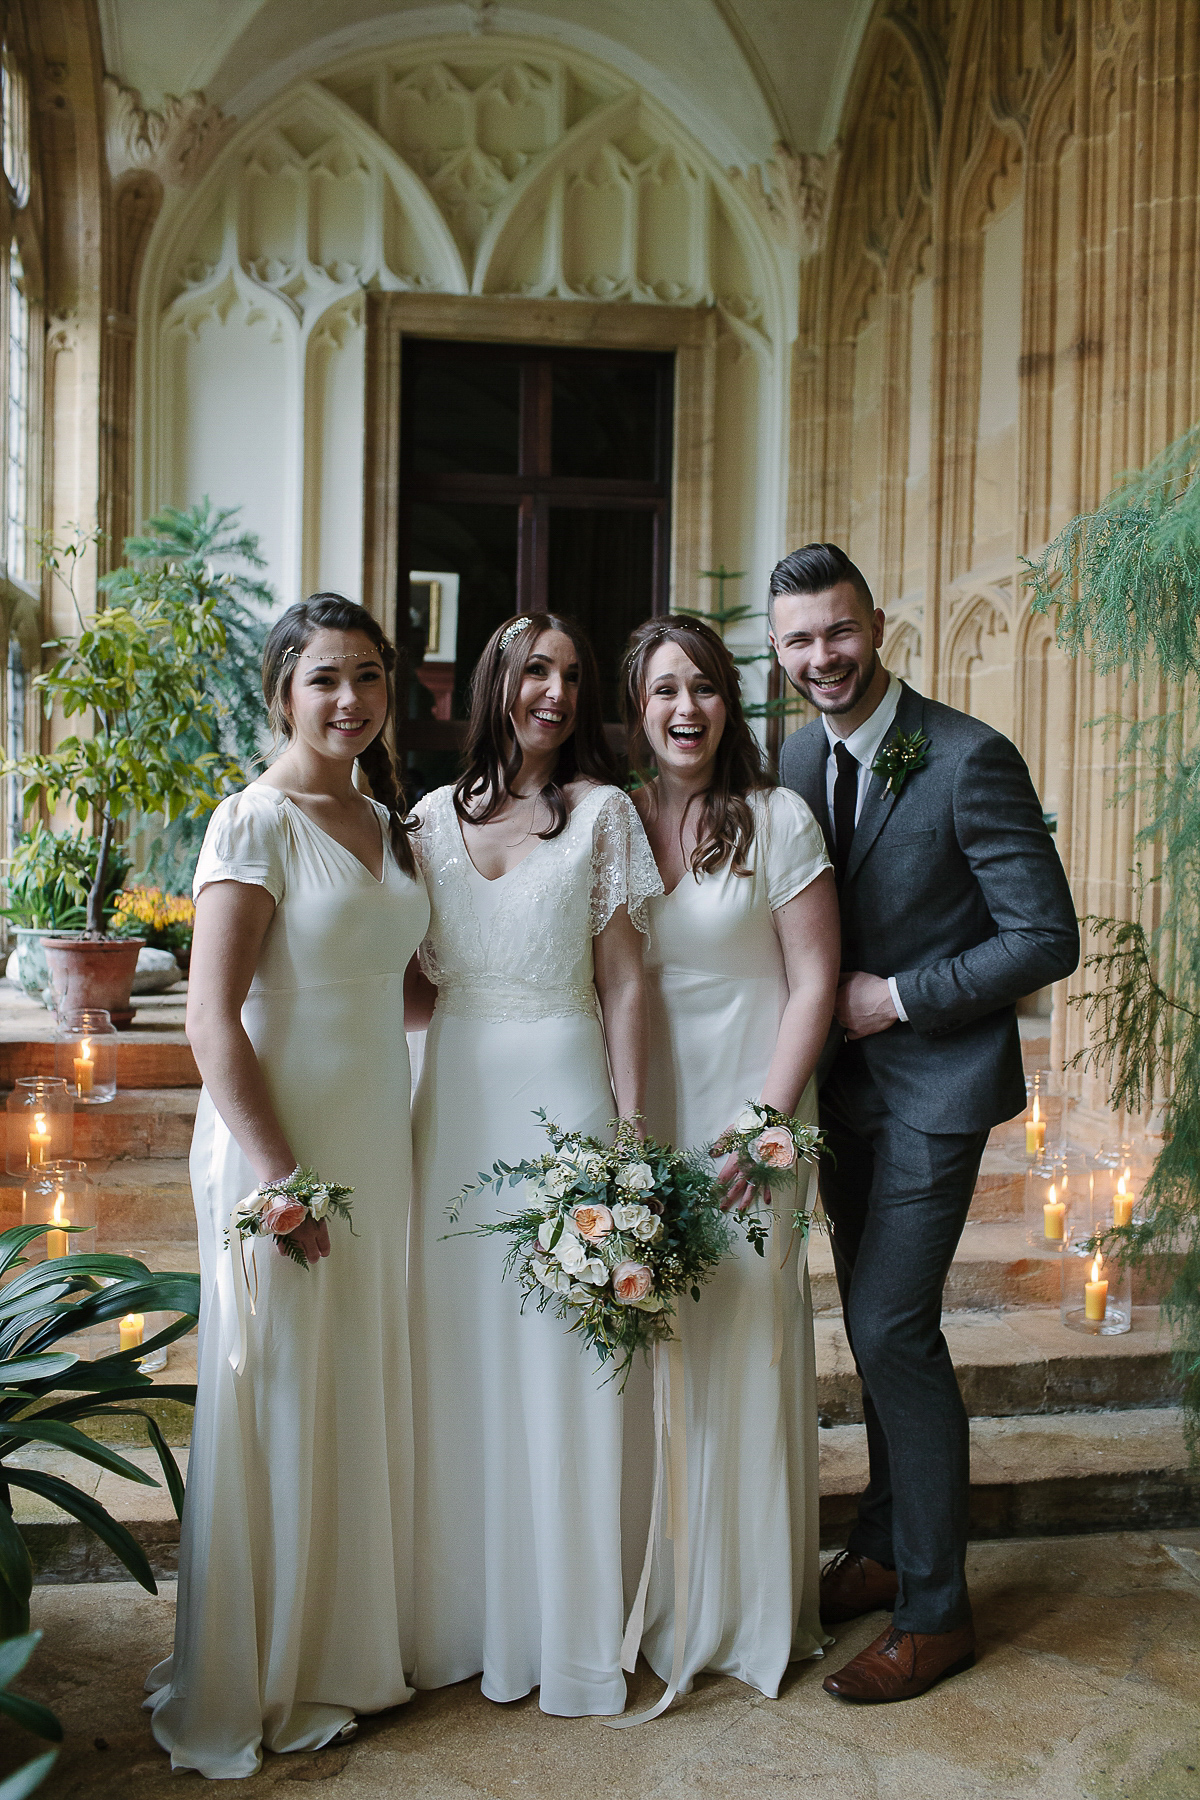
(294, 632)
(493, 756)
(726, 829)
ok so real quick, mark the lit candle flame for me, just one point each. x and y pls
(1121, 1189)
(58, 1216)
(1053, 1195)
(85, 1051)
(1096, 1266)
(39, 1123)
(1036, 1114)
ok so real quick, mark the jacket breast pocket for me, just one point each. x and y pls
(917, 839)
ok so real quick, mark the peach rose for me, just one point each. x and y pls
(283, 1215)
(774, 1147)
(594, 1223)
(631, 1282)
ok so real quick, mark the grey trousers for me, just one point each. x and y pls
(896, 1200)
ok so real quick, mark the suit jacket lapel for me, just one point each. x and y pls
(806, 761)
(878, 805)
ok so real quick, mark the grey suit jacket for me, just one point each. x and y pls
(953, 886)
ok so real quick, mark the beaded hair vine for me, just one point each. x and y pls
(514, 631)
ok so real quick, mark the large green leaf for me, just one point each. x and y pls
(14, 1240)
(85, 1408)
(38, 1719)
(29, 1778)
(89, 1512)
(15, 1652)
(46, 1366)
(66, 1437)
(16, 1577)
(60, 1268)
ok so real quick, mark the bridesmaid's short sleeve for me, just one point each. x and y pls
(795, 847)
(624, 872)
(244, 842)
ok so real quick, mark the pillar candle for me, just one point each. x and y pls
(85, 1070)
(1122, 1204)
(1035, 1131)
(58, 1243)
(132, 1327)
(39, 1141)
(1054, 1215)
(1095, 1295)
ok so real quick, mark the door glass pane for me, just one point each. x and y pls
(602, 573)
(463, 413)
(605, 419)
(479, 545)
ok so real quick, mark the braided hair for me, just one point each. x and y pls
(293, 632)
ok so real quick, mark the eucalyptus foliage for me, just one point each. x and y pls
(1124, 583)
(46, 1393)
(134, 672)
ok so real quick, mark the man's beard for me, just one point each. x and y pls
(834, 711)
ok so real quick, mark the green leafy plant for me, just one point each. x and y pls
(49, 874)
(202, 538)
(46, 1393)
(133, 671)
(15, 1652)
(1123, 582)
(720, 616)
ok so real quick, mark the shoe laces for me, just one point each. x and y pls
(840, 1562)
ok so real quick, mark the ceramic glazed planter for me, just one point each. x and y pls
(31, 958)
(86, 973)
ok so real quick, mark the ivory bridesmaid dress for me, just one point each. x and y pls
(518, 1430)
(717, 991)
(295, 1570)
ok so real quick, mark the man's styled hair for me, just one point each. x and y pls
(811, 570)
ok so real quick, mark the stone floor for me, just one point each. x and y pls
(1088, 1684)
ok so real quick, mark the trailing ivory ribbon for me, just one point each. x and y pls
(234, 1294)
(779, 1257)
(670, 1456)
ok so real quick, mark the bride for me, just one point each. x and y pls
(295, 1583)
(538, 874)
(741, 974)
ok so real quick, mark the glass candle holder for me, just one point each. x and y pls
(1046, 1215)
(1097, 1293)
(85, 1054)
(1118, 1186)
(60, 1195)
(41, 1123)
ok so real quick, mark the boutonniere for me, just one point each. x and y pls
(900, 759)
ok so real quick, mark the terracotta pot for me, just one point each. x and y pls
(93, 972)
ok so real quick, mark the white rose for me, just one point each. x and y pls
(594, 1272)
(559, 1179)
(318, 1206)
(747, 1120)
(647, 1229)
(653, 1303)
(629, 1215)
(593, 1166)
(551, 1276)
(570, 1253)
(638, 1177)
(580, 1296)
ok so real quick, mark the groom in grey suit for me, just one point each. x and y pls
(954, 905)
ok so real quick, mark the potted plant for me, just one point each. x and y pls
(135, 672)
(48, 877)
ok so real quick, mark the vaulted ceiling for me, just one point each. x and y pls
(744, 72)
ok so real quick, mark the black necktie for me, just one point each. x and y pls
(845, 804)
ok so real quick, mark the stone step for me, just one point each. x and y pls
(1046, 1476)
(149, 1060)
(993, 1268)
(1020, 1361)
(139, 1200)
(1034, 1477)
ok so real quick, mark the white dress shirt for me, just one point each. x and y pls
(864, 745)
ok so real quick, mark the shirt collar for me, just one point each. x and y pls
(864, 743)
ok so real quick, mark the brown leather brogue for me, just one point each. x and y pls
(899, 1665)
(853, 1585)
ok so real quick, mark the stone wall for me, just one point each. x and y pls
(1002, 319)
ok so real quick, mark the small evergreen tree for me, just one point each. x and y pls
(1124, 582)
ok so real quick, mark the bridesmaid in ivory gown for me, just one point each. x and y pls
(742, 971)
(295, 1566)
(538, 874)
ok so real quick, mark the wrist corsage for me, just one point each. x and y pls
(277, 1208)
(769, 1147)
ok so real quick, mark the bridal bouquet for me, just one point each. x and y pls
(769, 1146)
(609, 1236)
(277, 1207)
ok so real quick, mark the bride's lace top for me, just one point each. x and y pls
(520, 947)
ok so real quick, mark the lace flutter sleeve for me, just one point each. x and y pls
(624, 872)
(245, 842)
